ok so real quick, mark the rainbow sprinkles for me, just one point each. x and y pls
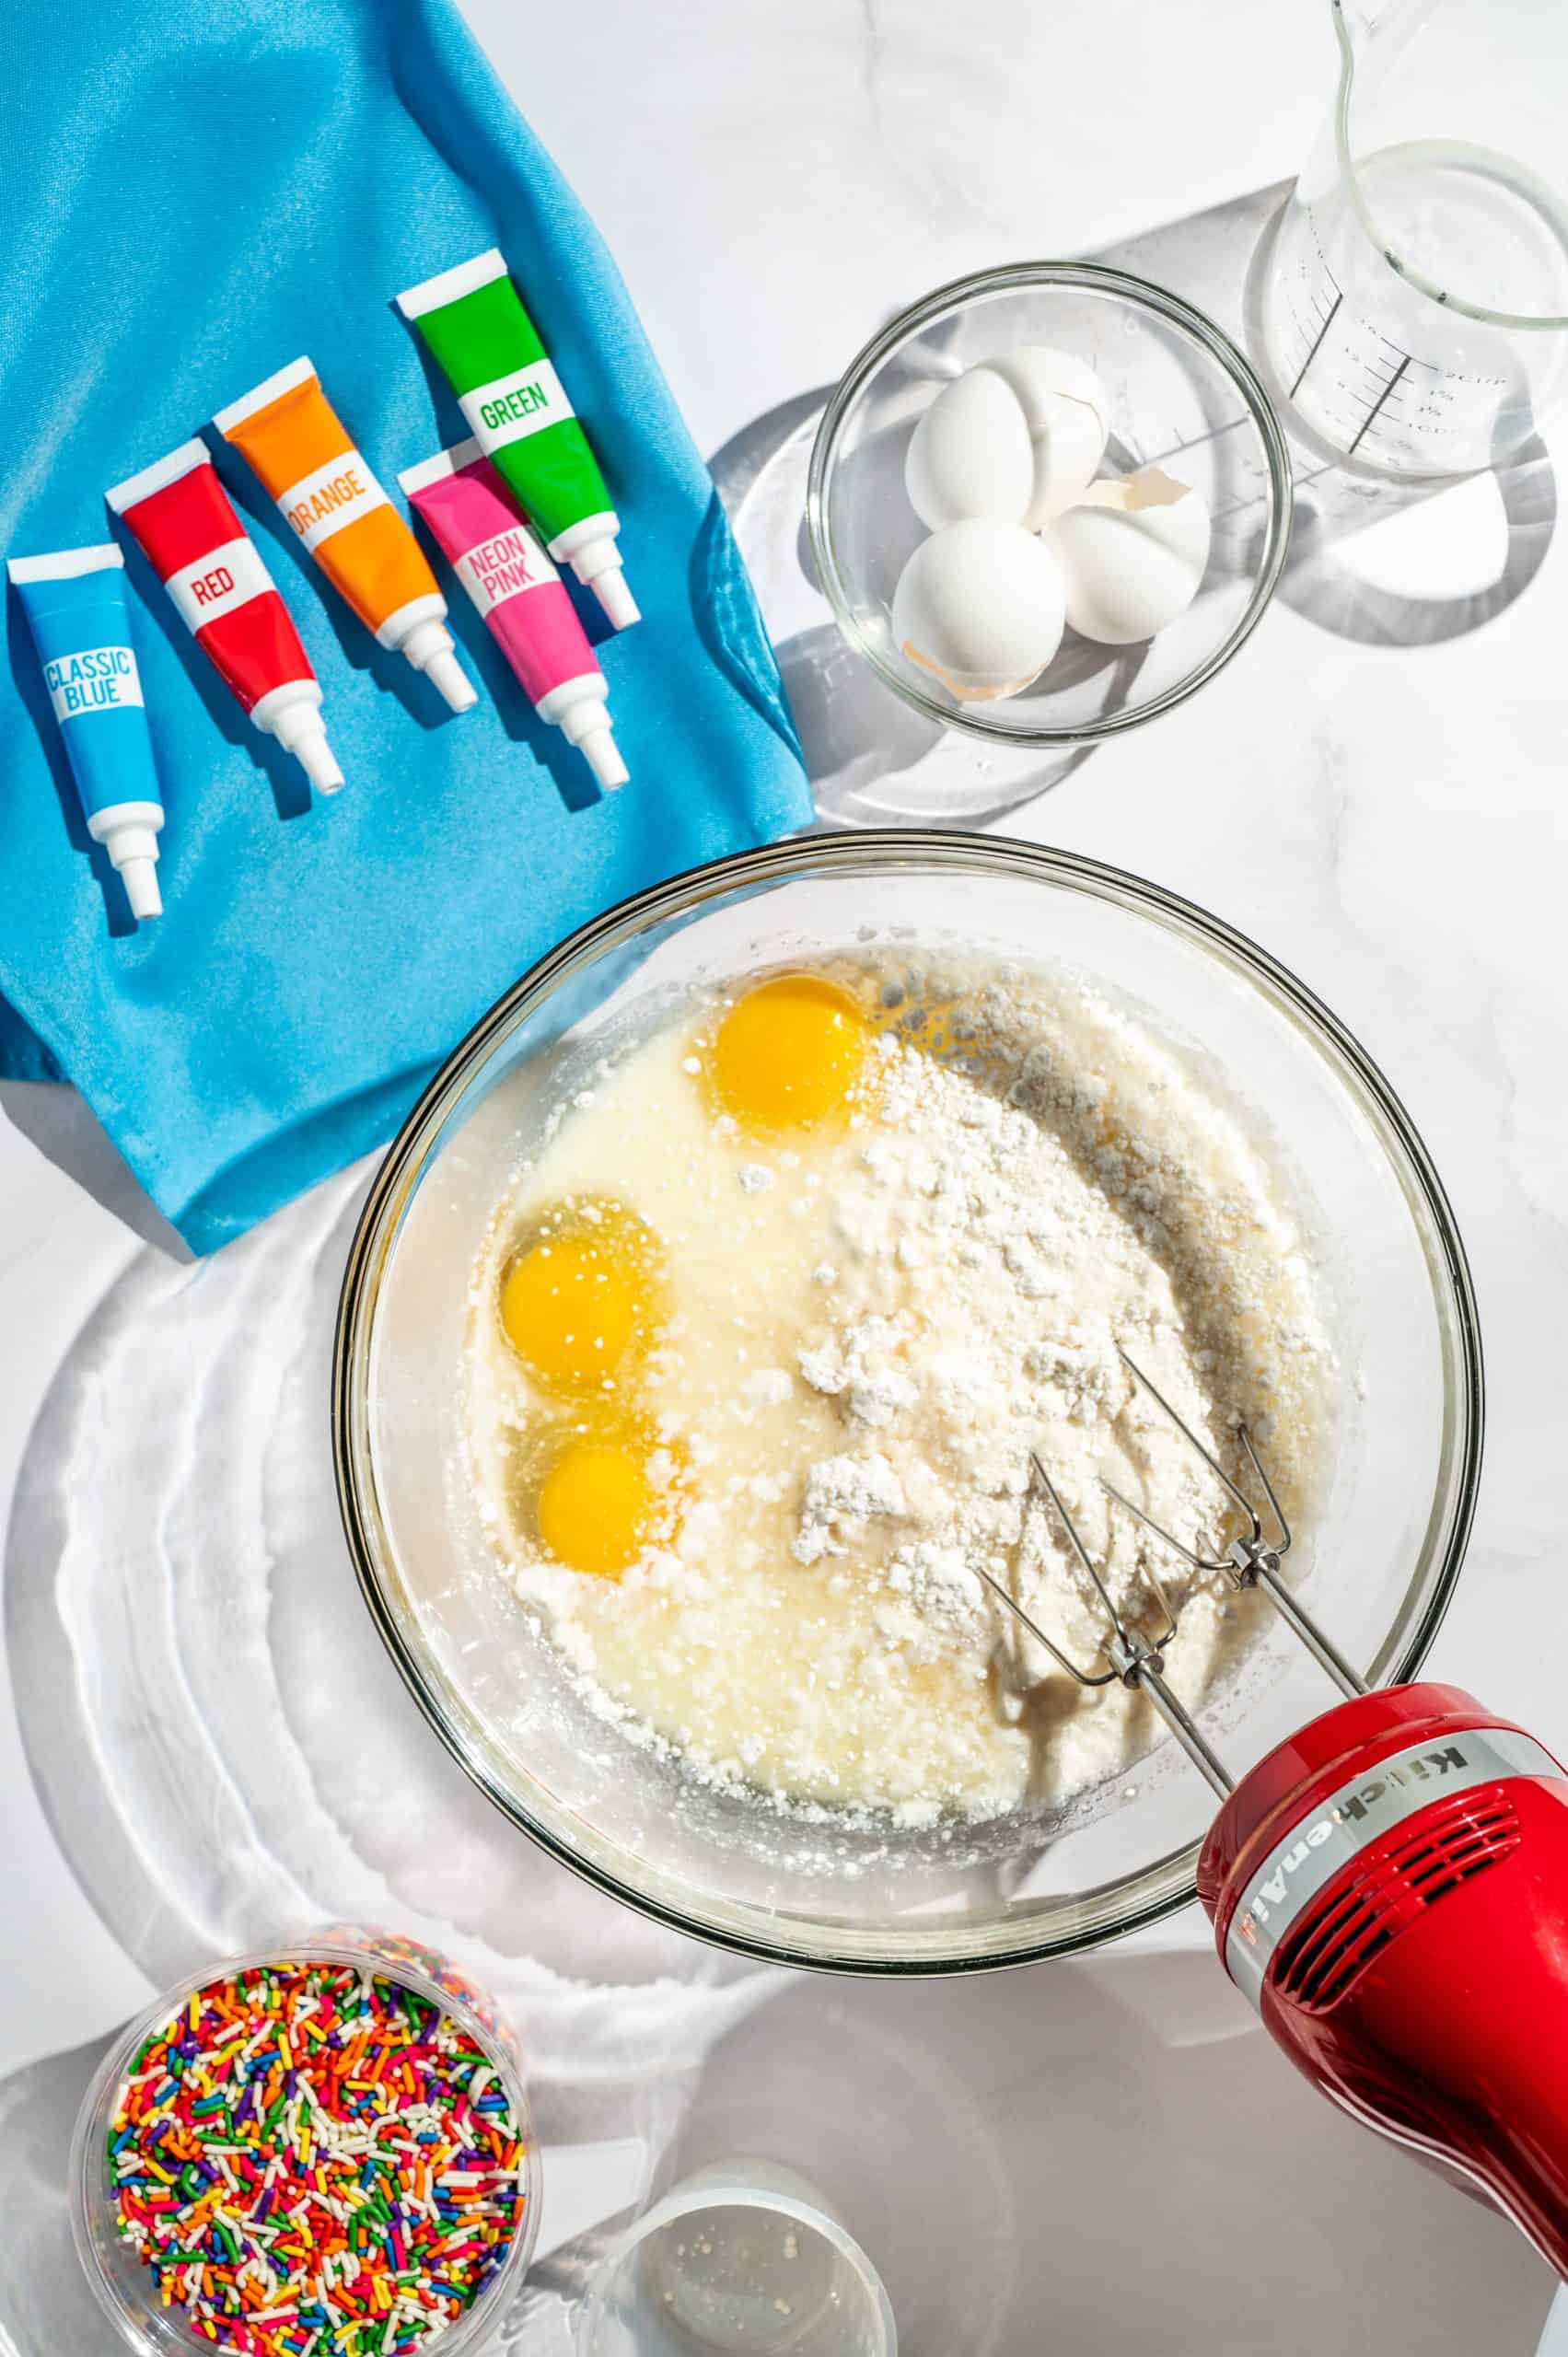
(313, 2159)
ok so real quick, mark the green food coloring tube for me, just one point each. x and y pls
(490, 352)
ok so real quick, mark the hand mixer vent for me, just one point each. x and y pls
(1326, 1950)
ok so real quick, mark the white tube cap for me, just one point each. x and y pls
(429, 648)
(133, 852)
(603, 756)
(453, 681)
(318, 761)
(293, 714)
(140, 879)
(586, 726)
(598, 567)
(611, 590)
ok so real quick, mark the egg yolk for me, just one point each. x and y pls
(596, 1506)
(788, 1055)
(579, 1300)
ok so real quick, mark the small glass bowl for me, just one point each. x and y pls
(125, 2286)
(1181, 397)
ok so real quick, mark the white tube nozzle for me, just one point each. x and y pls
(319, 761)
(134, 854)
(140, 879)
(429, 648)
(603, 756)
(597, 566)
(615, 595)
(293, 714)
(453, 681)
(586, 724)
(129, 834)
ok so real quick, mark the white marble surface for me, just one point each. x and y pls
(1388, 819)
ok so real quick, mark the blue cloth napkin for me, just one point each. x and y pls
(193, 196)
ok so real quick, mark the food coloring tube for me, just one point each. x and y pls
(490, 350)
(76, 610)
(460, 497)
(185, 525)
(298, 446)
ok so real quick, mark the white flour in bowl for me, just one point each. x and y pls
(866, 1333)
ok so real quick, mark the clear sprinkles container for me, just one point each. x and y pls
(428, 2242)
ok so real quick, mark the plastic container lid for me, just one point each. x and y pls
(745, 2257)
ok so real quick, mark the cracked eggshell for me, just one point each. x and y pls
(970, 454)
(1068, 418)
(1132, 553)
(980, 606)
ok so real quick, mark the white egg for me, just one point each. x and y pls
(970, 454)
(980, 606)
(1132, 553)
(1068, 418)
(1017, 438)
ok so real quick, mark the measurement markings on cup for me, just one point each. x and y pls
(1327, 322)
(1388, 385)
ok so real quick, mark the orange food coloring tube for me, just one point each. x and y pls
(303, 456)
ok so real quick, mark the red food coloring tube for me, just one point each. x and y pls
(184, 523)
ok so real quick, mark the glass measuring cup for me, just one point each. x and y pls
(1414, 298)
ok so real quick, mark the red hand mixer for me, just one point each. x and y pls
(1389, 1887)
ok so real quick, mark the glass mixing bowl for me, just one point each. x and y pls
(1181, 396)
(1377, 1563)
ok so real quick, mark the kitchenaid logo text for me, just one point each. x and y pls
(1373, 1800)
(1364, 1809)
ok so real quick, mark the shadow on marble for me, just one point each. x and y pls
(54, 1117)
(1323, 581)
(46, 2306)
(1072, 2157)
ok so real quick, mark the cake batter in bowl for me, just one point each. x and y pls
(758, 1860)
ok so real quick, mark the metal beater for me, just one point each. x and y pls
(1136, 1658)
